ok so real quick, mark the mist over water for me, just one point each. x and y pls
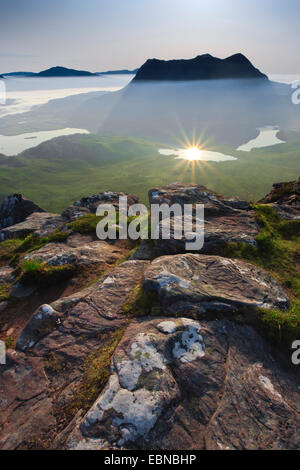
(24, 93)
(220, 111)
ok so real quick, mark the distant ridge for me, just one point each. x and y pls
(52, 72)
(119, 72)
(19, 74)
(63, 72)
(202, 67)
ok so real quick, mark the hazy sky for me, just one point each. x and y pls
(98, 35)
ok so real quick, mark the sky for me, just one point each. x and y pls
(100, 35)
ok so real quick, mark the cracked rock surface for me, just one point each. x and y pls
(226, 220)
(200, 284)
(181, 384)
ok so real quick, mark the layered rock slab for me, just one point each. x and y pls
(85, 254)
(25, 406)
(202, 284)
(181, 384)
(58, 340)
(41, 222)
(226, 220)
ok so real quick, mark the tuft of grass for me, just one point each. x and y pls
(43, 274)
(33, 243)
(96, 374)
(8, 249)
(277, 251)
(4, 292)
(9, 342)
(85, 225)
(141, 303)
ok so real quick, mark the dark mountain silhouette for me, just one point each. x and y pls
(52, 72)
(224, 100)
(202, 67)
(19, 74)
(63, 72)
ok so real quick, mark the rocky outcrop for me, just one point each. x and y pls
(88, 205)
(61, 338)
(25, 405)
(181, 384)
(180, 193)
(203, 284)
(43, 223)
(15, 209)
(285, 199)
(226, 220)
(86, 254)
(96, 369)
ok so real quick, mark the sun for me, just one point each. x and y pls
(192, 154)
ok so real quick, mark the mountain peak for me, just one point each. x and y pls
(59, 71)
(202, 67)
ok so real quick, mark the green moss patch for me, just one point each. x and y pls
(4, 292)
(43, 274)
(277, 251)
(85, 225)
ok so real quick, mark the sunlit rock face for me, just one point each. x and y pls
(205, 284)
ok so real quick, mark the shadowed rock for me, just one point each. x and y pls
(208, 284)
(285, 199)
(42, 222)
(88, 205)
(15, 209)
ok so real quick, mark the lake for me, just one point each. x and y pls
(267, 136)
(14, 144)
(24, 93)
(194, 154)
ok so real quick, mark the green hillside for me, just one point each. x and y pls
(64, 169)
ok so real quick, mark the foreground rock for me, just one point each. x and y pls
(285, 199)
(226, 220)
(209, 284)
(6, 275)
(180, 384)
(38, 222)
(61, 337)
(181, 193)
(86, 254)
(89, 205)
(15, 209)
(25, 405)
